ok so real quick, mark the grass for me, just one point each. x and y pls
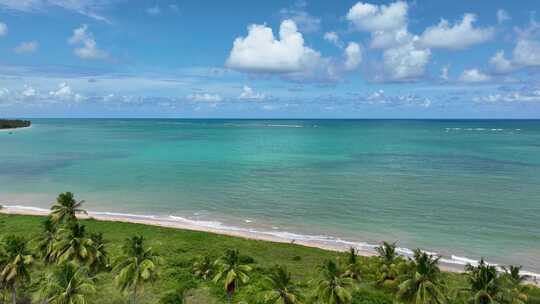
(180, 247)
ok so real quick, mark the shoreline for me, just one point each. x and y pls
(251, 234)
(15, 129)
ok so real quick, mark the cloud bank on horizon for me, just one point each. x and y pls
(280, 59)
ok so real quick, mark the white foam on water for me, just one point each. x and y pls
(126, 215)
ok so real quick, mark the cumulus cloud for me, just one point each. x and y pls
(374, 18)
(249, 94)
(527, 53)
(353, 56)
(89, 48)
(3, 29)
(524, 95)
(260, 51)
(502, 16)
(474, 76)
(26, 47)
(333, 38)
(405, 62)
(500, 63)
(64, 93)
(457, 36)
(205, 97)
(444, 73)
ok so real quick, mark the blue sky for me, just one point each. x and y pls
(345, 59)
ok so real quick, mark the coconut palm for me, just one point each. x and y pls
(136, 266)
(67, 284)
(100, 257)
(46, 240)
(73, 245)
(16, 262)
(231, 271)
(279, 288)
(387, 252)
(514, 292)
(203, 267)
(484, 281)
(66, 208)
(423, 285)
(333, 287)
(353, 269)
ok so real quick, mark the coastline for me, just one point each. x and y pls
(15, 129)
(251, 234)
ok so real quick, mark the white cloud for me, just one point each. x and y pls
(502, 16)
(153, 11)
(381, 98)
(305, 22)
(260, 51)
(527, 53)
(500, 63)
(64, 92)
(26, 47)
(474, 76)
(516, 96)
(333, 38)
(373, 18)
(406, 62)
(3, 29)
(89, 49)
(457, 36)
(444, 73)
(205, 97)
(89, 8)
(353, 56)
(388, 39)
(249, 94)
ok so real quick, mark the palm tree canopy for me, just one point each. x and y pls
(231, 271)
(73, 245)
(484, 282)
(136, 265)
(203, 267)
(100, 256)
(16, 261)
(46, 239)
(333, 288)
(68, 284)
(423, 285)
(387, 252)
(66, 208)
(279, 288)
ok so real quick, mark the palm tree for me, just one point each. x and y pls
(73, 245)
(100, 258)
(514, 291)
(333, 288)
(484, 283)
(203, 267)
(423, 285)
(136, 266)
(68, 284)
(46, 240)
(16, 261)
(66, 208)
(387, 252)
(353, 269)
(231, 271)
(389, 271)
(279, 288)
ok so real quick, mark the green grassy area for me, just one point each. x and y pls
(179, 249)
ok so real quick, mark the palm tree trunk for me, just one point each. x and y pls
(13, 295)
(134, 296)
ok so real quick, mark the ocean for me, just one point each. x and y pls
(464, 189)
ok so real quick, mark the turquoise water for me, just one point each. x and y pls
(463, 188)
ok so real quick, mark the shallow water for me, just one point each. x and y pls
(463, 188)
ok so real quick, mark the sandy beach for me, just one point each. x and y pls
(253, 235)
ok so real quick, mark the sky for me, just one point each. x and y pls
(270, 59)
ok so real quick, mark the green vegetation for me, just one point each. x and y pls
(61, 259)
(11, 124)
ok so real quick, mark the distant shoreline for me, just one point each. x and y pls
(162, 222)
(12, 124)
